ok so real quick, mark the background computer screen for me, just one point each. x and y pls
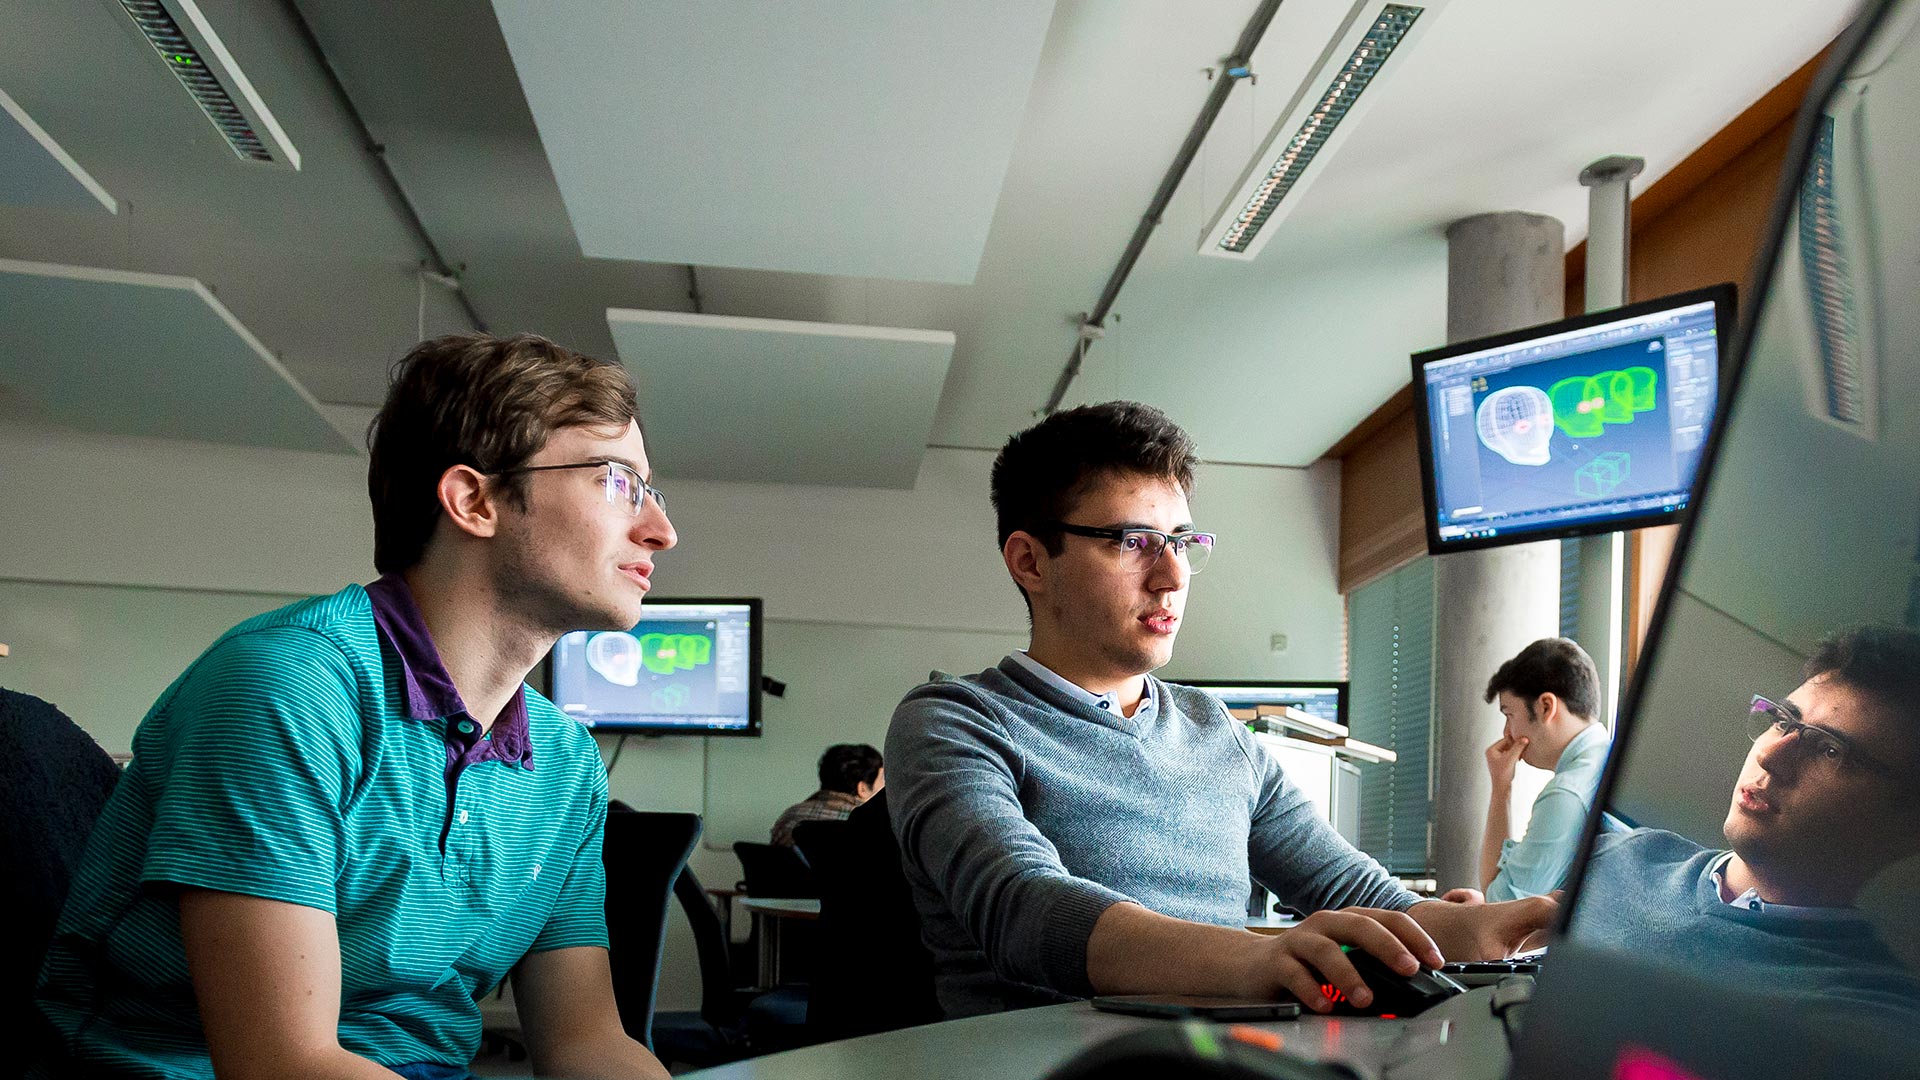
(1326, 700)
(1588, 425)
(690, 667)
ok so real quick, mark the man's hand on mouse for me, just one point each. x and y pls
(1309, 956)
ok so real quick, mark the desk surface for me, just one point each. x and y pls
(781, 907)
(1460, 1040)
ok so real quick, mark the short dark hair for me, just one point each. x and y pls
(1043, 471)
(845, 766)
(486, 402)
(1556, 666)
(1878, 660)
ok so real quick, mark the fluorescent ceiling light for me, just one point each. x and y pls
(191, 50)
(1322, 113)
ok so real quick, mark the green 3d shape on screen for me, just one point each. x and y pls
(664, 654)
(1583, 405)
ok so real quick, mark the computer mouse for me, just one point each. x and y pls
(1199, 1050)
(1394, 994)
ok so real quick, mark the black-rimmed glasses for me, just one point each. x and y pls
(623, 485)
(1767, 719)
(1140, 549)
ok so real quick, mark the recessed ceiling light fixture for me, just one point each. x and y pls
(191, 50)
(1322, 113)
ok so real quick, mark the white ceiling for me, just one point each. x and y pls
(1268, 362)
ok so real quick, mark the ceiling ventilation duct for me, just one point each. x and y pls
(1322, 113)
(191, 50)
(1842, 372)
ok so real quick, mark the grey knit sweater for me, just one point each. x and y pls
(1650, 892)
(1022, 814)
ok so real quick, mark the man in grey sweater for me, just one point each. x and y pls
(1070, 825)
(1824, 802)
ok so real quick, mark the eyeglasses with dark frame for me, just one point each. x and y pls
(622, 482)
(1141, 548)
(1767, 718)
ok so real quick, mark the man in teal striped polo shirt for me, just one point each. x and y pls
(349, 820)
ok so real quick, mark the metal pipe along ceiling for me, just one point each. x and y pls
(1250, 37)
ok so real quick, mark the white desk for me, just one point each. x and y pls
(769, 914)
(1460, 1040)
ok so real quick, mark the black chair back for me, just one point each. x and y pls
(719, 1004)
(54, 781)
(773, 871)
(645, 855)
(878, 976)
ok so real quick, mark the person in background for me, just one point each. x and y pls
(850, 774)
(1550, 696)
(350, 819)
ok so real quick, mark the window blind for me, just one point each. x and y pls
(1390, 646)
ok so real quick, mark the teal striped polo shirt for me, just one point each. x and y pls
(286, 763)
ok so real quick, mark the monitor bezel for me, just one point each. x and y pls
(1724, 315)
(1343, 685)
(755, 632)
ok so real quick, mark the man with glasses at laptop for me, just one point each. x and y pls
(349, 819)
(1823, 803)
(1070, 825)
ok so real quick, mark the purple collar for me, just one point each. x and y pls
(430, 691)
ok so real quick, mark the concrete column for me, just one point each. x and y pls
(1603, 559)
(1504, 271)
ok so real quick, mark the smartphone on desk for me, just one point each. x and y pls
(1185, 1006)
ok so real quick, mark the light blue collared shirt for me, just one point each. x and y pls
(1538, 862)
(1104, 702)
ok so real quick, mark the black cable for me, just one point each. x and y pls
(1196, 135)
(617, 747)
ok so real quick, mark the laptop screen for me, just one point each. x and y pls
(1768, 756)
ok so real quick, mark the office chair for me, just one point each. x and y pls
(54, 781)
(733, 1022)
(775, 871)
(880, 976)
(645, 853)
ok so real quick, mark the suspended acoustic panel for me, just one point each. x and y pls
(35, 171)
(866, 138)
(774, 401)
(146, 354)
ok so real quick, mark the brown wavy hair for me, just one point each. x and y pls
(486, 402)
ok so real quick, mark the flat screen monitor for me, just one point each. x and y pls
(690, 667)
(1326, 700)
(1589, 425)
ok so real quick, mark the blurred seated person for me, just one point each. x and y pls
(1550, 696)
(850, 774)
(1824, 802)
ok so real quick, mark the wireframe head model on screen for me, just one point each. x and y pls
(1516, 422)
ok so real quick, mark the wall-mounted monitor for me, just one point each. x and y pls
(1588, 425)
(1326, 700)
(690, 667)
